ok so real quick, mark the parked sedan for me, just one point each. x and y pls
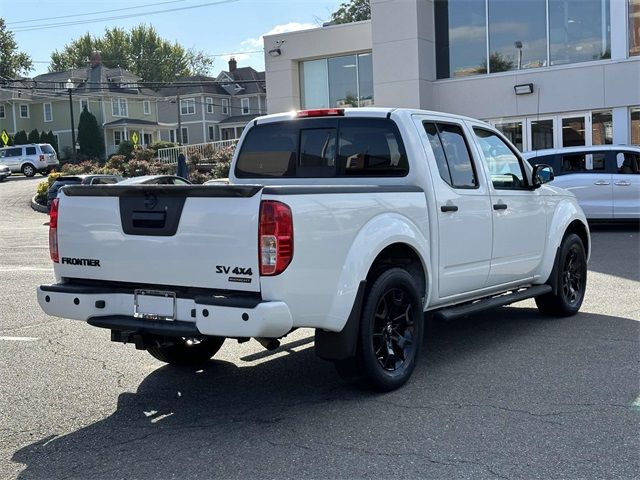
(604, 178)
(79, 180)
(4, 172)
(156, 180)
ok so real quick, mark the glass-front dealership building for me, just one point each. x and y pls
(547, 73)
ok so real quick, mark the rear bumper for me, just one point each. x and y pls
(205, 315)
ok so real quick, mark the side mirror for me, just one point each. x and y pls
(542, 174)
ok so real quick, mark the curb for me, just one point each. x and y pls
(37, 207)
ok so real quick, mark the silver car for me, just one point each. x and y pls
(604, 178)
(4, 172)
(30, 159)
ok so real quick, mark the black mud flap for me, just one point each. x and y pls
(342, 345)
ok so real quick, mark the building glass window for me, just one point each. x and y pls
(84, 103)
(48, 112)
(461, 32)
(634, 27)
(209, 102)
(602, 128)
(184, 135)
(517, 35)
(573, 132)
(119, 107)
(635, 126)
(541, 134)
(2, 111)
(343, 81)
(118, 137)
(172, 136)
(513, 132)
(225, 106)
(24, 111)
(314, 84)
(146, 107)
(188, 106)
(579, 31)
(211, 133)
(245, 106)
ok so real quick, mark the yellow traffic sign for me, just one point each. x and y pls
(4, 136)
(135, 138)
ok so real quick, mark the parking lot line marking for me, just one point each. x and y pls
(19, 339)
(25, 269)
(636, 404)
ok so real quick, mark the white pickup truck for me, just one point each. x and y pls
(354, 222)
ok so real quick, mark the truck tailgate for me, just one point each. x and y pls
(192, 236)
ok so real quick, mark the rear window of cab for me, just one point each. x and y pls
(323, 147)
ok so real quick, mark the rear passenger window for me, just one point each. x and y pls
(452, 154)
(583, 162)
(628, 163)
(31, 150)
(358, 147)
(13, 152)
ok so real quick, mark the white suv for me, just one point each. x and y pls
(29, 159)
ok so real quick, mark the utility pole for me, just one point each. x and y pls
(69, 86)
(179, 135)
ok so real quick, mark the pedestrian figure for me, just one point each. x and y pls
(183, 171)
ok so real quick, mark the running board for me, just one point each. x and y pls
(457, 311)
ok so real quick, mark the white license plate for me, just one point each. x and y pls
(154, 305)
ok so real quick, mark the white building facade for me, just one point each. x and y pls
(548, 73)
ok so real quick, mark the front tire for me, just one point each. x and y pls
(185, 352)
(28, 170)
(390, 334)
(571, 280)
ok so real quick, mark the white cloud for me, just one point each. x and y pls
(286, 27)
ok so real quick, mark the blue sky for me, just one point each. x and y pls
(235, 26)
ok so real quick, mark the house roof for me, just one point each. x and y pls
(244, 119)
(200, 84)
(97, 78)
(130, 121)
(248, 78)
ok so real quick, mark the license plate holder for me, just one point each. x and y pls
(154, 305)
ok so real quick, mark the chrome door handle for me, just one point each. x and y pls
(602, 182)
(623, 183)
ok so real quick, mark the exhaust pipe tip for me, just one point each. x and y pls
(269, 343)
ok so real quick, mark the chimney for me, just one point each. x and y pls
(232, 64)
(96, 58)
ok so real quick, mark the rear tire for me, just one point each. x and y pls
(182, 353)
(28, 170)
(571, 280)
(390, 334)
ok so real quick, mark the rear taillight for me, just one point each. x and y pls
(53, 231)
(42, 158)
(275, 237)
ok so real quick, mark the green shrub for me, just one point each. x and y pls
(125, 148)
(117, 162)
(41, 192)
(158, 145)
(52, 177)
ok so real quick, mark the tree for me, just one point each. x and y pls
(140, 50)
(497, 63)
(20, 138)
(89, 135)
(50, 138)
(353, 11)
(12, 62)
(34, 136)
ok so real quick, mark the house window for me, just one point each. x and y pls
(147, 139)
(188, 106)
(634, 27)
(2, 111)
(84, 103)
(172, 136)
(118, 137)
(209, 102)
(119, 107)
(345, 81)
(48, 113)
(635, 126)
(211, 133)
(225, 106)
(146, 107)
(245, 106)
(24, 111)
(185, 135)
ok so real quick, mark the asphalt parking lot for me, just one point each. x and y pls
(505, 394)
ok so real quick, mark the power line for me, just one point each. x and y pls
(117, 17)
(151, 58)
(93, 13)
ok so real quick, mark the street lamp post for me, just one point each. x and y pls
(69, 86)
(518, 45)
